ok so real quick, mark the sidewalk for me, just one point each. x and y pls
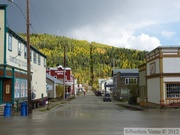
(53, 103)
(129, 106)
(146, 108)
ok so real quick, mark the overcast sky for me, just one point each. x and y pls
(134, 24)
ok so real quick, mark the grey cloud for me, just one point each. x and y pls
(102, 19)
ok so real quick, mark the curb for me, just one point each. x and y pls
(135, 108)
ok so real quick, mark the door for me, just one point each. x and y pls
(7, 90)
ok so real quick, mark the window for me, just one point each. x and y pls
(44, 62)
(124, 91)
(130, 81)
(30, 55)
(39, 59)
(10, 43)
(173, 90)
(19, 48)
(25, 52)
(34, 58)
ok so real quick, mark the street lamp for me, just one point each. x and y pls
(27, 18)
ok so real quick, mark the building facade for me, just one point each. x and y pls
(52, 87)
(142, 85)
(163, 75)
(122, 80)
(13, 66)
(58, 72)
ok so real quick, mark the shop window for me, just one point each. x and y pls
(173, 90)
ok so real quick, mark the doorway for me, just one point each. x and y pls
(7, 90)
(1, 89)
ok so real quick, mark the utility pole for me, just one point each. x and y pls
(64, 71)
(28, 60)
(27, 18)
(91, 66)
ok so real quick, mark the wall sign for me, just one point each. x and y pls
(7, 89)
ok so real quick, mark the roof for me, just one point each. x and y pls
(55, 80)
(167, 47)
(56, 68)
(115, 71)
(101, 80)
(68, 83)
(24, 41)
(164, 47)
(3, 6)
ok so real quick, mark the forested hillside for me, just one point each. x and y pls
(85, 64)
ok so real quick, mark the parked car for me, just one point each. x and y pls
(107, 98)
(97, 93)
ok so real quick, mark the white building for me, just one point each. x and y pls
(103, 82)
(163, 75)
(13, 66)
(52, 84)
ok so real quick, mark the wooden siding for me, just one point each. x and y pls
(38, 71)
(2, 25)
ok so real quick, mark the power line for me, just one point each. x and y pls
(22, 13)
(37, 17)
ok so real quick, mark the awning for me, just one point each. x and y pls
(68, 83)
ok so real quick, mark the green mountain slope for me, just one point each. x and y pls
(85, 65)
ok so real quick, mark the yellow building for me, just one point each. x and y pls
(163, 76)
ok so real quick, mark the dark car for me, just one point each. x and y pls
(107, 98)
(97, 93)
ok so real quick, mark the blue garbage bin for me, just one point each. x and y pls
(23, 109)
(7, 110)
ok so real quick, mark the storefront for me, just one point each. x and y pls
(163, 76)
(13, 66)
